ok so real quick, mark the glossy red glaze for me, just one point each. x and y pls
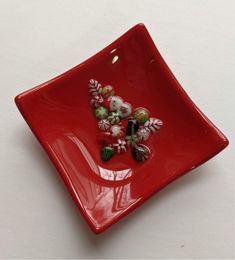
(105, 138)
(59, 114)
(106, 103)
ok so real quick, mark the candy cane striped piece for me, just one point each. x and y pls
(94, 87)
(153, 124)
(96, 101)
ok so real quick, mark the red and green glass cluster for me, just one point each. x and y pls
(121, 128)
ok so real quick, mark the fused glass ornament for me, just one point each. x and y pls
(113, 113)
(140, 152)
(114, 118)
(117, 131)
(101, 112)
(115, 103)
(125, 110)
(153, 124)
(141, 115)
(104, 124)
(107, 153)
(107, 91)
(143, 134)
(132, 127)
(120, 146)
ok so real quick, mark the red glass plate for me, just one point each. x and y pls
(59, 114)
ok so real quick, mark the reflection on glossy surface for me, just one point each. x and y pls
(104, 173)
(58, 113)
(115, 59)
(100, 202)
(112, 175)
(110, 202)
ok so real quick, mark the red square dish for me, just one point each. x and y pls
(59, 114)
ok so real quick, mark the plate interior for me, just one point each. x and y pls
(59, 114)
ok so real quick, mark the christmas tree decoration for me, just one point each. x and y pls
(143, 134)
(132, 127)
(104, 124)
(115, 103)
(132, 140)
(94, 87)
(107, 91)
(96, 101)
(107, 153)
(140, 152)
(141, 115)
(117, 131)
(120, 128)
(101, 112)
(125, 110)
(153, 124)
(120, 146)
(114, 118)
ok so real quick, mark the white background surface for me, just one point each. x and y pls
(191, 218)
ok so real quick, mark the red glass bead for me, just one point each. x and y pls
(105, 138)
(106, 103)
